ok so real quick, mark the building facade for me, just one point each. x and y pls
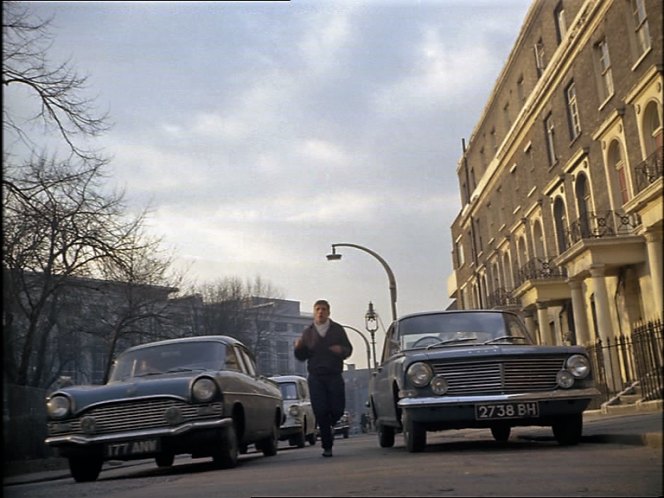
(561, 180)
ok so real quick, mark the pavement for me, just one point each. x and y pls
(646, 434)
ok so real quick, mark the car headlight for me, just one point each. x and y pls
(578, 365)
(204, 390)
(58, 406)
(565, 379)
(294, 411)
(419, 374)
(439, 385)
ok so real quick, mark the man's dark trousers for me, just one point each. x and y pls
(328, 399)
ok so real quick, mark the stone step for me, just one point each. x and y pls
(629, 399)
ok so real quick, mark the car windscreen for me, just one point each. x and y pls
(437, 330)
(288, 390)
(166, 358)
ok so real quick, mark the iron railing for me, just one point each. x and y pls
(601, 224)
(648, 171)
(501, 298)
(538, 268)
(638, 357)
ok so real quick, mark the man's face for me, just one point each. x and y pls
(321, 313)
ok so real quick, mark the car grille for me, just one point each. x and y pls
(135, 415)
(500, 377)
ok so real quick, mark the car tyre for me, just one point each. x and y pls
(164, 459)
(501, 432)
(568, 429)
(346, 433)
(226, 455)
(298, 439)
(385, 436)
(415, 436)
(85, 469)
(270, 444)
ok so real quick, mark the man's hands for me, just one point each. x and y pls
(337, 349)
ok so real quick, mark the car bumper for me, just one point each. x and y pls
(180, 430)
(462, 408)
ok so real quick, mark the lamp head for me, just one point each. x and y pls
(371, 319)
(333, 257)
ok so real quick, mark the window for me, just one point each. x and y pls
(460, 260)
(583, 206)
(572, 112)
(561, 24)
(550, 139)
(540, 62)
(605, 75)
(520, 90)
(494, 142)
(283, 354)
(641, 29)
(560, 220)
(506, 115)
(615, 157)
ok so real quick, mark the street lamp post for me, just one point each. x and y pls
(366, 342)
(390, 276)
(371, 324)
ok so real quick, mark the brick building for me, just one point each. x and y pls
(561, 180)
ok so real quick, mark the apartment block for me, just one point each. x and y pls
(561, 179)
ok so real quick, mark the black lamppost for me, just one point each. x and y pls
(371, 324)
(390, 276)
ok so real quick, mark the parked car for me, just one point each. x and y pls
(343, 425)
(476, 369)
(300, 423)
(197, 395)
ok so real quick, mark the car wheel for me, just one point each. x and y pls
(298, 439)
(385, 436)
(270, 444)
(85, 469)
(414, 434)
(226, 455)
(501, 432)
(346, 433)
(567, 430)
(312, 438)
(164, 459)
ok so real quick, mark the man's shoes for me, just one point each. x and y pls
(327, 453)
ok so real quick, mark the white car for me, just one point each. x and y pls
(300, 423)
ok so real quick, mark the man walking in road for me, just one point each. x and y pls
(325, 346)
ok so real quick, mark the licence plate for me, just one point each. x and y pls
(115, 450)
(497, 411)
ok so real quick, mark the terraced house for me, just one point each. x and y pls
(561, 181)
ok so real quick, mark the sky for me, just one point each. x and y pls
(261, 133)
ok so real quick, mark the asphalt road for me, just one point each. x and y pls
(615, 458)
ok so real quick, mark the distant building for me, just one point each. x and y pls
(561, 180)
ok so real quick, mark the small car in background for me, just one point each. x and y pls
(343, 425)
(197, 395)
(300, 423)
(476, 369)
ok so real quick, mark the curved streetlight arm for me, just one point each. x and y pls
(366, 342)
(390, 275)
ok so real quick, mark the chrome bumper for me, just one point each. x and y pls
(82, 440)
(443, 401)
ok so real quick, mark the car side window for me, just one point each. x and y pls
(391, 346)
(249, 365)
(231, 362)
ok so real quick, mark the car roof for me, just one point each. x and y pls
(455, 312)
(224, 339)
(287, 378)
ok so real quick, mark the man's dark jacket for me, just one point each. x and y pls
(316, 349)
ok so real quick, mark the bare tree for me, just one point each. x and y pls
(145, 279)
(57, 224)
(58, 89)
(243, 310)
